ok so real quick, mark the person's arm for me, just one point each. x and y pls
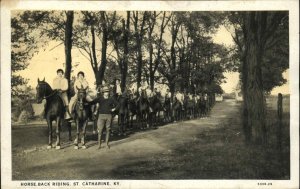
(65, 85)
(75, 88)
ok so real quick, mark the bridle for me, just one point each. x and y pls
(80, 100)
(48, 96)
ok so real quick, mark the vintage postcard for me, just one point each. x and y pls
(150, 94)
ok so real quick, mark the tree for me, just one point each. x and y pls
(139, 32)
(99, 25)
(68, 43)
(121, 37)
(25, 42)
(262, 48)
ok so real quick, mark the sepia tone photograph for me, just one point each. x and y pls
(102, 95)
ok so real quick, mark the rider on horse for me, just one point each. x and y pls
(79, 83)
(117, 88)
(60, 84)
(180, 97)
(167, 94)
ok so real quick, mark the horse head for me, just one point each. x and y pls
(43, 90)
(81, 96)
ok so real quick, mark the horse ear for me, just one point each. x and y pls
(38, 80)
(44, 79)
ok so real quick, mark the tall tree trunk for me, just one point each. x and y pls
(102, 67)
(126, 29)
(139, 63)
(151, 72)
(68, 44)
(94, 56)
(254, 86)
(139, 38)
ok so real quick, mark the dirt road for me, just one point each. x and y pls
(178, 150)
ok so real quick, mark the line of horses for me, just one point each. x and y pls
(148, 112)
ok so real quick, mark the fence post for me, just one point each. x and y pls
(279, 113)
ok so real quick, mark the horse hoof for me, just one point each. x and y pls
(84, 147)
(57, 147)
(76, 147)
(49, 147)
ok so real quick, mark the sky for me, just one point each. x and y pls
(49, 59)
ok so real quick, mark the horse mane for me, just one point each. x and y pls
(49, 88)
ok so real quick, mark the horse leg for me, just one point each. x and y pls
(77, 134)
(83, 134)
(94, 126)
(58, 124)
(69, 130)
(49, 122)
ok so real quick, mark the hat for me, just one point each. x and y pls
(105, 89)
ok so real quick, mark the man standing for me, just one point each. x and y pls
(61, 85)
(107, 105)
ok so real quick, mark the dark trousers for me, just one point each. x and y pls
(104, 120)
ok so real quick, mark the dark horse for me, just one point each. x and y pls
(167, 110)
(190, 108)
(177, 108)
(54, 110)
(132, 108)
(82, 112)
(122, 113)
(143, 109)
(157, 107)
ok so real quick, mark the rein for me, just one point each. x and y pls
(45, 97)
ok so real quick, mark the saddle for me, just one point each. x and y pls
(59, 95)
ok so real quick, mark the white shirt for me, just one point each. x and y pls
(60, 83)
(179, 96)
(149, 92)
(80, 83)
(118, 89)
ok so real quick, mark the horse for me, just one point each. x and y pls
(143, 109)
(167, 110)
(54, 110)
(203, 106)
(156, 105)
(82, 113)
(190, 108)
(177, 109)
(122, 113)
(132, 109)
